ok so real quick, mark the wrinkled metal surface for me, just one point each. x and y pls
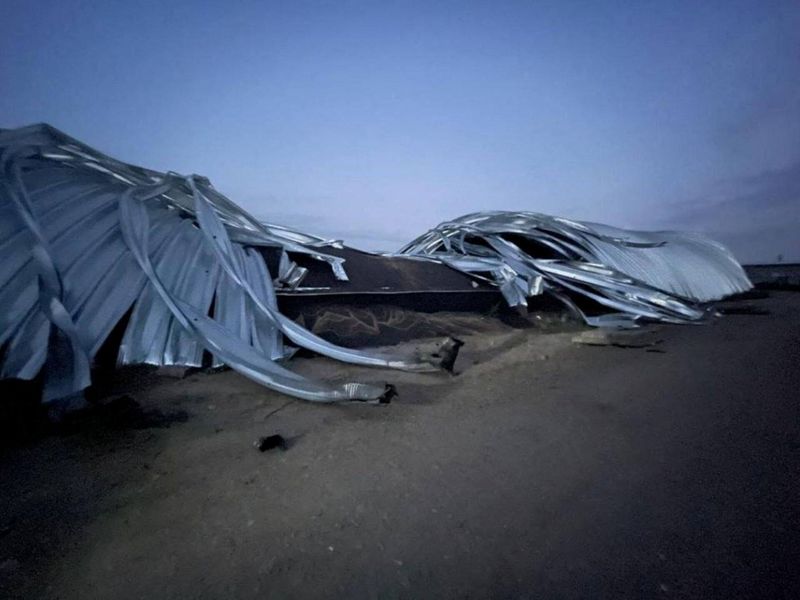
(87, 241)
(664, 275)
(86, 238)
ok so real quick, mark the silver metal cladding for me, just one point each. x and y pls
(86, 239)
(88, 242)
(664, 275)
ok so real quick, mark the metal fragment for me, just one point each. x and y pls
(664, 276)
(88, 242)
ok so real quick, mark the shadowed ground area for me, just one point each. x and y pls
(542, 469)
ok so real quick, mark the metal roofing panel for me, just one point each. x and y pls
(86, 237)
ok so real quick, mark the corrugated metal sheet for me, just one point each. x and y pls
(663, 275)
(87, 239)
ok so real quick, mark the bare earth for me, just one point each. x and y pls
(543, 470)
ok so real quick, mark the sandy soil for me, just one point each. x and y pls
(544, 469)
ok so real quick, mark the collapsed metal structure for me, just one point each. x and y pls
(632, 275)
(88, 242)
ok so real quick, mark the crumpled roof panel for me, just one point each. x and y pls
(87, 241)
(657, 275)
(89, 238)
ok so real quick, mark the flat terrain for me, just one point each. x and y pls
(543, 469)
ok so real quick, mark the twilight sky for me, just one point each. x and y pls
(374, 121)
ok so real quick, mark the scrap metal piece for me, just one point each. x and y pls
(87, 240)
(664, 276)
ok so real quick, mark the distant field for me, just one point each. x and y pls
(778, 275)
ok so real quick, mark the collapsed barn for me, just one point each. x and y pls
(92, 246)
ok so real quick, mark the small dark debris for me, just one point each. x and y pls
(388, 394)
(449, 353)
(271, 441)
(656, 350)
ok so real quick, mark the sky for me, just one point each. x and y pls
(374, 121)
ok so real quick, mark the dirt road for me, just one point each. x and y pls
(543, 470)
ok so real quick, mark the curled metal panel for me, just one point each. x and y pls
(224, 343)
(87, 238)
(663, 275)
(65, 341)
(231, 262)
(265, 336)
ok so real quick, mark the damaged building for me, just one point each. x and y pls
(168, 271)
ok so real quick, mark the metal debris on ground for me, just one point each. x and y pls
(663, 275)
(90, 244)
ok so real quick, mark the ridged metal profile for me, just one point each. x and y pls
(86, 239)
(664, 275)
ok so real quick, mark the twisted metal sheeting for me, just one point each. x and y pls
(85, 238)
(87, 241)
(663, 275)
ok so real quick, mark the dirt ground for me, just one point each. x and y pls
(542, 469)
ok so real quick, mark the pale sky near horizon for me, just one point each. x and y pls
(374, 121)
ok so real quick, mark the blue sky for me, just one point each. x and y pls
(374, 121)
